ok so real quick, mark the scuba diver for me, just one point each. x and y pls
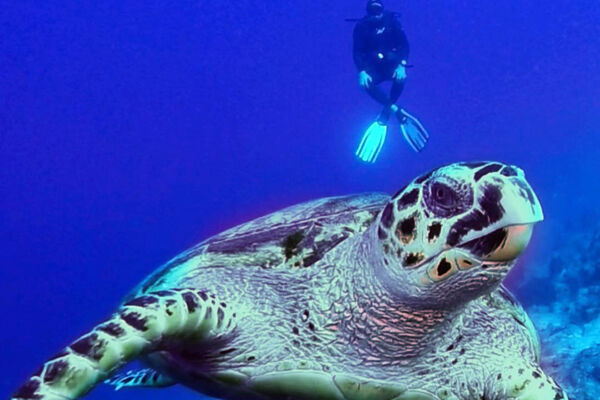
(380, 53)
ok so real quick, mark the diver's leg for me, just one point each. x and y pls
(378, 95)
(396, 90)
(138, 328)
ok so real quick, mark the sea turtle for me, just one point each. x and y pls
(357, 297)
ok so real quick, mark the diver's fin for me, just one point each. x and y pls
(147, 378)
(372, 142)
(139, 327)
(413, 131)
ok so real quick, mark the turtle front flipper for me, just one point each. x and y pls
(137, 328)
(526, 383)
(146, 378)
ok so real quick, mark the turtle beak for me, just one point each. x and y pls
(516, 239)
(502, 245)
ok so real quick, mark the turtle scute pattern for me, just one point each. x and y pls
(348, 298)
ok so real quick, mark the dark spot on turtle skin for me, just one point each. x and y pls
(170, 302)
(290, 244)
(89, 346)
(509, 171)
(490, 203)
(433, 231)
(112, 329)
(220, 314)
(486, 170)
(163, 293)
(318, 251)
(536, 374)
(305, 315)
(443, 267)
(451, 347)
(477, 220)
(224, 305)
(202, 295)
(381, 234)
(387, 217)
(462, 351)
(386, 248)
(487, 244)
(454, 361)
(55, 370)
(526, 192)
(408, 199)
(424, 177)
(473, 165)
(142, 301)
(135, 320)
(295, 331)
(407, 226)
(499, 377)
(311, 326)
(28, 391)
(251, 358)
(412, 258)
(227, 351)
(520, 371)
(190, 302)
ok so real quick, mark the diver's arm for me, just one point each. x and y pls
(400, 41)
(359, 50)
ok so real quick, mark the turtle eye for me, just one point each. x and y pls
(444, 196)
(447, 197)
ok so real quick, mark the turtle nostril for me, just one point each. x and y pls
(443, 267)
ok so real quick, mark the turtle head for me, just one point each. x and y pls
(454, 233)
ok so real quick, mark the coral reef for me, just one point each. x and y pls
(566, 309)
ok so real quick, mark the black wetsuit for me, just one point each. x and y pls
(380, 45)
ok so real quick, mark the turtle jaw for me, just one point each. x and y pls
(502, 245)
(493, 253)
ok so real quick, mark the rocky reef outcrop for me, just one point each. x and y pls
(562, 297)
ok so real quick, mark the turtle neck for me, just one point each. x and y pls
(374, 321)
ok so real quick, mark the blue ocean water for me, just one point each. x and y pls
(131, 130)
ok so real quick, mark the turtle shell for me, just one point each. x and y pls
(295, 237)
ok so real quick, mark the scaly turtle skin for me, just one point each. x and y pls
(347, 298)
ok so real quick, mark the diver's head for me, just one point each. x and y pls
(375, 8)
(454, 233)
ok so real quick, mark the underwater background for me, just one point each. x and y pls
(131, 130)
